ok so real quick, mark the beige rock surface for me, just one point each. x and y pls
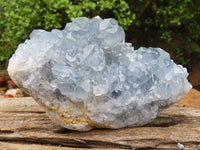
(25, 125)
(15, 92)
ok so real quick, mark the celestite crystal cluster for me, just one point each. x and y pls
(86, 76)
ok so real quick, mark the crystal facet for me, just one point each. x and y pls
(86, 76)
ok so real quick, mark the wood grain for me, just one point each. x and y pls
(25, 126)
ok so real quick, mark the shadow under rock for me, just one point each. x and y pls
(166, 121)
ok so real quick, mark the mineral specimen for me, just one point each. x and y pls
(86, 76)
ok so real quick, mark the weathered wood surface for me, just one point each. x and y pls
(25, 126)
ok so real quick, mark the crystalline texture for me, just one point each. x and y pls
(86, 76)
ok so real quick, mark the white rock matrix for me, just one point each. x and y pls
(86, 76)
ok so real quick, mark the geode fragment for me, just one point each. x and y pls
(86, 76)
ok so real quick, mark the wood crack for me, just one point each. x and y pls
(73, 143)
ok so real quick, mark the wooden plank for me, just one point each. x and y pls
(25, 125)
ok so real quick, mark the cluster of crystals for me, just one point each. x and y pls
(89, 63)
